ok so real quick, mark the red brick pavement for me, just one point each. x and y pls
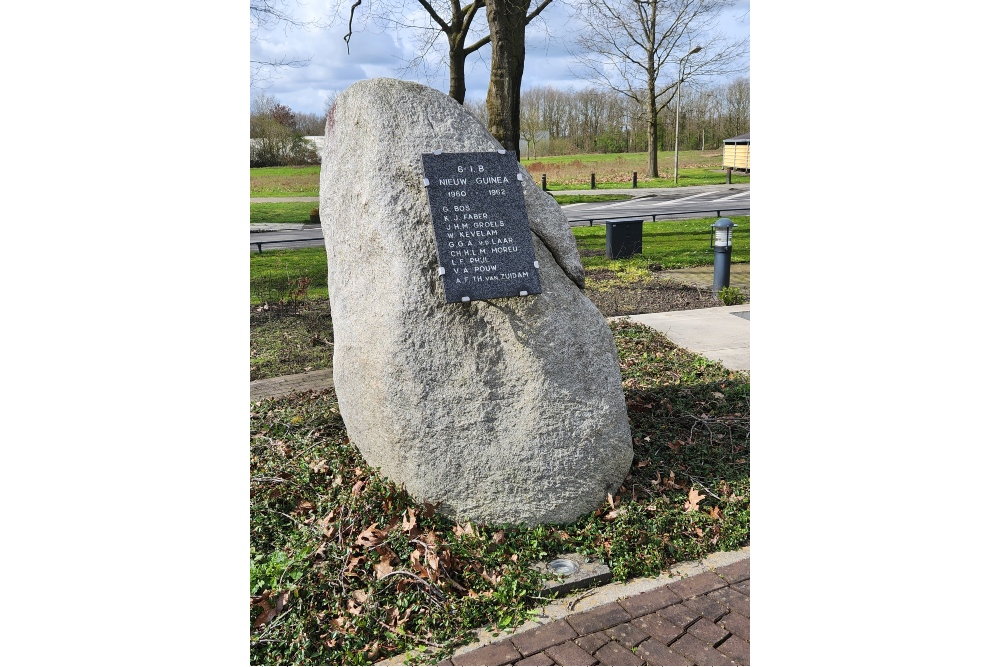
(701, 620)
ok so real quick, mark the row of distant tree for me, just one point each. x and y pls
(277, 134)
(553, 122)
(561, 122)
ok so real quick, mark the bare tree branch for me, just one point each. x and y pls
(350, 30)
(645, 49)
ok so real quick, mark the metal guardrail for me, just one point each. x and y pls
(592, 220)
(259, 244)
(717, 211)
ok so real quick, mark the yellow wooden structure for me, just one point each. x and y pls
(736, 152)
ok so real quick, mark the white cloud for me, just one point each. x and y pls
(377, 51)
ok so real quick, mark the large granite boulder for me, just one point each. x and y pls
(504, 410)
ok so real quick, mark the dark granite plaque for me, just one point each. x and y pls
(480, 226)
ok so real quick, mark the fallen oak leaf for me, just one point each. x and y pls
(671, 484)
(693, 499)
(370, 537)
(384, 566)
(353, 563)
(263, 601)
(467, 529)
(356, 602)
(410, 522)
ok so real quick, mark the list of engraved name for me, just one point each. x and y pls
(474, 233)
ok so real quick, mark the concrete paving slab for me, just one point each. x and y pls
(716, 333)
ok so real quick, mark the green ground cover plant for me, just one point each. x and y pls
(284, 181)
(294, 337)
(345, 568)
(285, 212)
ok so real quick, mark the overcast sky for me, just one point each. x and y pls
(376, 51)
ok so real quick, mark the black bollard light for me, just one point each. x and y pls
(635, 177)
(722, 243)
(593, 184)
(543, 183)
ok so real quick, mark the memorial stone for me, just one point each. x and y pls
(505, 408)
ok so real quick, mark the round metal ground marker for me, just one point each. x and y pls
(563, 567)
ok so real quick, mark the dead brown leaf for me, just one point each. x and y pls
(266, 616)
(467, 529)
(693, 499)
(716, 513)
(370, 537)
(430, 509)
(353, 563)
(356, 602)
(384, 566)
(670, 484)
(410, 523)
(319, 466)
(270, 612)
(675, 446)
(358, 486)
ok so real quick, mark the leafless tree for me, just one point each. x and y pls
(478, 109)
(459, 24)
(644, 50)
(737, 107)
(269, 14)
(532, 117)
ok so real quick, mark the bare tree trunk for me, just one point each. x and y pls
(651, 130)
(456, 64)
(507, 19)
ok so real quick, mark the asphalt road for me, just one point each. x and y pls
(661, 204)
(676, 204)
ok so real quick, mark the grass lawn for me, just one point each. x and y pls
(614, 170)
(562, 200)
(285, 181)
(274, 274)
(324, 527)
(563, 172)
(289, 212)
(674, 244)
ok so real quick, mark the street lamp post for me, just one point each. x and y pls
(677, 119)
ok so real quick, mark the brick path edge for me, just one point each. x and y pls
(588, 600)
